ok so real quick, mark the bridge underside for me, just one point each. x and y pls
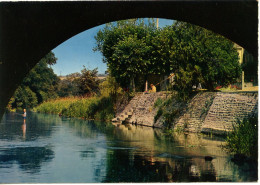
(29, 30)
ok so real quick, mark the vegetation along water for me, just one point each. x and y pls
(180, 58)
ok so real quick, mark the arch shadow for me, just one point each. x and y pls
(29, 30)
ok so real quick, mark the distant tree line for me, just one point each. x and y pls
(42, 84)
(79, 84)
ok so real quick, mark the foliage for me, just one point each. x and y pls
(84, 83)
(244, 138)
(38, 86)
(131, 48)
(126, 47)
(110, 87)
(68, 86)
(158, 114)
(100, 108)
(202, 57)
(168, 110)
(158, 102)
(87, 81)
(25, 96)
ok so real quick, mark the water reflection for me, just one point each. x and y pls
(28, 158)
(33, 127)
(51, 149)
(24, 129)
(180, 157)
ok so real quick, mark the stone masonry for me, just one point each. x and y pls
(214, 112)
(227, 108)
(140, 109)
(195, 113)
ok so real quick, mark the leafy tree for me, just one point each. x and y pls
(125, 46)
(131, 49)
(42, 80)
(110, 87)
(24, 98)
(203, 57)
(87, 81)
(38, 86)
(68, 86)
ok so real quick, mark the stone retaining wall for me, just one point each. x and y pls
(227, 108)
(214, 112)
(196, 112)
(140, 109)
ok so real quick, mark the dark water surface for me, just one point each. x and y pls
(50, 149)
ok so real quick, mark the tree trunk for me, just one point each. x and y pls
(132, 84)
(210, 86)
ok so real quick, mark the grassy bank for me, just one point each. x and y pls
(98, 108)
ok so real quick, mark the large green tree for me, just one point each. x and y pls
(87, 82)
(132, 48)
(38, 86)
(202, 57)
(126, 46)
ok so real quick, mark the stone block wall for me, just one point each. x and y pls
(143, 109)
(214, 112)
(195, 113)
(140, 109)
(227, 108)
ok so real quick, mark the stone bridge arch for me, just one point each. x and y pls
(29, 30)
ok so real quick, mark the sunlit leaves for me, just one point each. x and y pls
(194, 54)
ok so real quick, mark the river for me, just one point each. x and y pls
(52, 149)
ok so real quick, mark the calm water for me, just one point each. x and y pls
(50, 149)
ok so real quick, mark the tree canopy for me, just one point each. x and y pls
(126, 46)
(202, 57)
(38, 86)
(194, 54)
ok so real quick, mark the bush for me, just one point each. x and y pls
(99, 108)
(158, 102)
(158, 114)
(244, 138)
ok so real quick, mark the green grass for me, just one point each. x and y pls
(98, 108)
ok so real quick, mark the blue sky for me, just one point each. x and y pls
(77, 51)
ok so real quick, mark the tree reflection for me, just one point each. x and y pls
(124, 166)
(35, 126)
(28, 158)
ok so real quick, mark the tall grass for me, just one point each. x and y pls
(99, 108)
(244, 138)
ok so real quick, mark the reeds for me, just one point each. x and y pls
(98, 108)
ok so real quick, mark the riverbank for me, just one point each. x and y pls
(208, 112)
(98, 108)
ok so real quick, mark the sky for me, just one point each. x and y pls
(78, 51)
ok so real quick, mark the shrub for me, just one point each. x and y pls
(158, 102)
(158, 114)
(244, 138)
